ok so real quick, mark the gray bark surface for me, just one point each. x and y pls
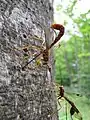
(28, 94)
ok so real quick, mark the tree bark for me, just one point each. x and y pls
(28, 94)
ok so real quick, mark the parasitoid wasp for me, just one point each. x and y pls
(45, 51)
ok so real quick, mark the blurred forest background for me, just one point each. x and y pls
(72, 59)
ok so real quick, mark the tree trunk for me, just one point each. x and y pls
(28, 94)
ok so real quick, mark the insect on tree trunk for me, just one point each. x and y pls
(25, 94)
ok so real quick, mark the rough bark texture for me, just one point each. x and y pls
(24, 95)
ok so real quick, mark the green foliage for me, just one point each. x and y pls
(73, 61)
(70, 8)
(72, 58)
(59, 7)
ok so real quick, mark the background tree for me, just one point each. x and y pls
(24, 95)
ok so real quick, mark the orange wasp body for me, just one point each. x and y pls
(61, 33)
